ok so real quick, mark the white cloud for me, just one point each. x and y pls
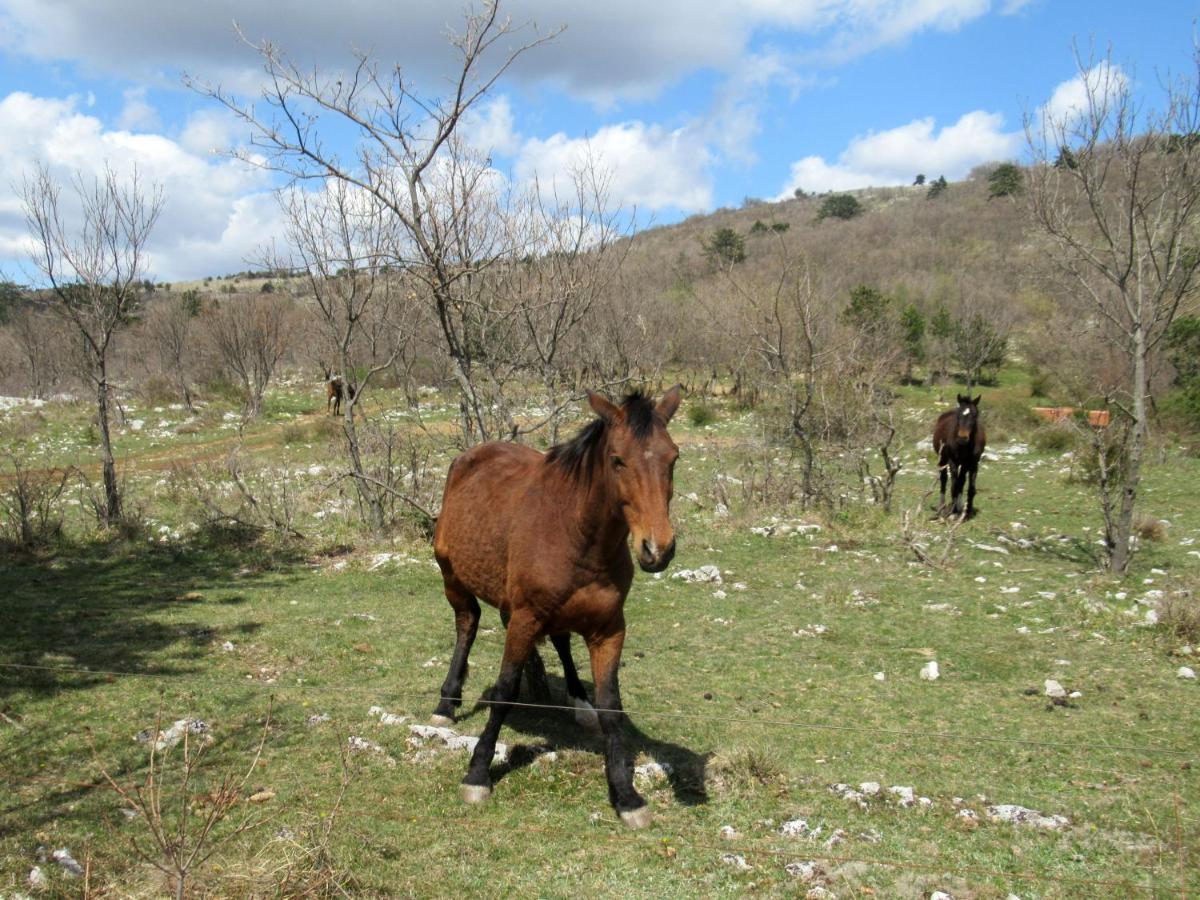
(615, 50)
(217, 211)
(651, 168)
(137, 114)
(1102, 82)
(490, 128)
(896, 155)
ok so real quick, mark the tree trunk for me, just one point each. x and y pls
(1119, 559)
(112, 496)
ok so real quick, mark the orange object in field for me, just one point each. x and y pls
(1097, 418)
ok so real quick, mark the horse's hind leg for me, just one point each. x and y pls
(956, 489)
(585, 713)
(971, 491)
(618, 767)
(535, 671)
(466, 623)
(523, 631)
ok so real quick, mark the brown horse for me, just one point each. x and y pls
(959, 441)
(544, 538)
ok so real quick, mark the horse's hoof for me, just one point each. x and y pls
(441, 721)
(585, 715)
(637, 818)
(475, 793)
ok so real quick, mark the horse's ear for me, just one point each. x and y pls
(977, 399)
(602, 406)
(962, 399)
(669, 403)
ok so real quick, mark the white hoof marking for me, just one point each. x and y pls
(474, 793)
(637, 818)
(585, 715)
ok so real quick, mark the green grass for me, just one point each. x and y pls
(757, 718)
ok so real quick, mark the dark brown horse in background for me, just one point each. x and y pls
(545, 538)
(959, 441)
(336, 390)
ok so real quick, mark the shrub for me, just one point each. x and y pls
(701, 414)
(1179, 616)
(1054, 439)
(1039, 384)
(725, 247)
(1006, 180)
(839, 206)
(1150, 528)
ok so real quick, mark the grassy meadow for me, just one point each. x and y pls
(798, 672)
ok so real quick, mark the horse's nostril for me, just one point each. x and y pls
(647, 549)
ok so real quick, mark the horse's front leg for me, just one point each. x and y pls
(971, 490)
(523, 631)
(958, 477)
(605, 651)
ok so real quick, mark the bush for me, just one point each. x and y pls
(1039, 384)
(1057, 438)
(1179, 616)
(1150, 528)
(839, 206)
(31, 503)
(701, 414)
(1006, 180)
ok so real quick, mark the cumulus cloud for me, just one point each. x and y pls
(137, 113)
(650, 167)
(217, 210)
(610, 51)
(1102, 82)
(896, 155)
(490, 128)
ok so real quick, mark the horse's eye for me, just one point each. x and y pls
(618, 463)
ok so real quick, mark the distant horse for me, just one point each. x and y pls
(544, 538)
(335, 391)
(959, 440)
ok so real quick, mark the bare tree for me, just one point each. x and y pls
(441, 196)
(38, 339)
(170, 329)
(1120, 214)
(94, 263)
(341, 236)
(249, 334)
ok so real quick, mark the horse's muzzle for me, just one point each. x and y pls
(651, 559)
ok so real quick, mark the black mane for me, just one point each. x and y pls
(575, 456)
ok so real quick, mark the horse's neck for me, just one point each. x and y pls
(596, 515)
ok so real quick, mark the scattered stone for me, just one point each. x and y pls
(848, 793)
(794, 828)
(37, 879)
(879, 676)
(904, 794)
(452, 739)
(703, 575)
(940, 895)
(805, 871)
(1186, 672)
(228, 647)
(1020, 815)
(1054, 689)
(67, 862)
(737, 861)
(167, 739)
(319, 719)
(729, 833)
(385, 717)
(262, 796)
(819, 893)
(720, 594)
(929, 671)
(838, 837)
(362, 745)
(968, 815)
(810, 631)
(652, 772)
(871, 836)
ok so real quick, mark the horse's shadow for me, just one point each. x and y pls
(557, 729)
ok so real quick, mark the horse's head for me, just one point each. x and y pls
(966, 416)
(640, 466)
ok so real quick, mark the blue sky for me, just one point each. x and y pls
(692, 106)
